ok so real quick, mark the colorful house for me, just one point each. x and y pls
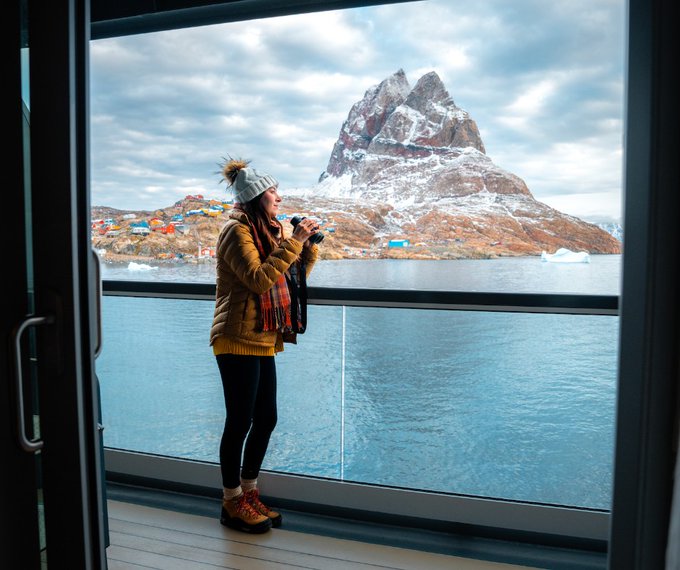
(156, 224)
(140, 228)
(205, 251)
(398, 243)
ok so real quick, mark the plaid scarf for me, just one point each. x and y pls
(276, 305)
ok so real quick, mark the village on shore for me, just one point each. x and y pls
(188, 231)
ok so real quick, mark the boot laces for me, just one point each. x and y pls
(253, 498)
(243, 507)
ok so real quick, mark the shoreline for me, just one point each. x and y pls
(122, 260)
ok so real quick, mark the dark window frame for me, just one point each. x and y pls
(111, 18)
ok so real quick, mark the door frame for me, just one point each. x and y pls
(57, 230)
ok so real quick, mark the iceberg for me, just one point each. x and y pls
(132, 266)
(563, 255)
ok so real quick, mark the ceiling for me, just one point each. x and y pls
(111, 18)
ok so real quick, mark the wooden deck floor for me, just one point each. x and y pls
(148, 537)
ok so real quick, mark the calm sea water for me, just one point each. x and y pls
(504, 405)
(512, 274)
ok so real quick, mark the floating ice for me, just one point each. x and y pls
(132, 266)
(563, 255)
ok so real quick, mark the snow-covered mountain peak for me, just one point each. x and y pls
(415, 154)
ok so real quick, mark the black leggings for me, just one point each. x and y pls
(249, 384)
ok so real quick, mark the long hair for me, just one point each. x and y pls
(268, 229)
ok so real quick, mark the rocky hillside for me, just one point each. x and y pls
(419, 158)
(407, 177)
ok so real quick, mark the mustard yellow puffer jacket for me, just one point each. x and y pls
(242, 277)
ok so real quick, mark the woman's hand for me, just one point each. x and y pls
(305, 229)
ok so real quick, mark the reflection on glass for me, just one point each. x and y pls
(503, 405)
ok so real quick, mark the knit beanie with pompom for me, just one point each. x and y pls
(247, 182)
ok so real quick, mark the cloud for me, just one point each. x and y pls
(543, 81)
(583, 178)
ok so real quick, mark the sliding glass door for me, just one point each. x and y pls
(52, 502)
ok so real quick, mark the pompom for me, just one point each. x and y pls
(231, 168)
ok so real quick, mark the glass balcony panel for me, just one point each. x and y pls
(162, 394)
(309, 434)
(500, 405)
(159, 381)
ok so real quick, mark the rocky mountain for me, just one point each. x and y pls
(420, 158)
(365, 121)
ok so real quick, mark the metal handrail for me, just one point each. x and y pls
(395, 298)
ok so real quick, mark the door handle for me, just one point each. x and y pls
(98, 301)
(29, 445)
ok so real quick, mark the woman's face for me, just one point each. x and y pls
(270, 202)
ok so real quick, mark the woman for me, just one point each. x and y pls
(255, 313)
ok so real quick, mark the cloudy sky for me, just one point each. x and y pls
(543, 80)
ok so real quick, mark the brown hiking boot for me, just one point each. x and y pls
(237, 513)
(253, 498)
